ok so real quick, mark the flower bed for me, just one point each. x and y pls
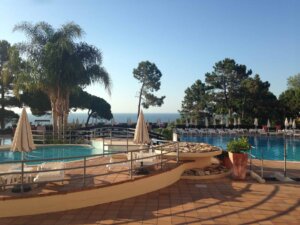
(190, 147)
(210, 172)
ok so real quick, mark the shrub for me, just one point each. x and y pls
(240, 145)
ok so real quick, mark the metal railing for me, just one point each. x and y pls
(21, 173)
(261, 159)
(71, 136)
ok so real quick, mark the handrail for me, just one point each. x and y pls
(84, 167)
(70, 135)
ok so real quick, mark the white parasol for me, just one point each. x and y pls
(234, 122)
(141, 135)
(255, 122)
(206, 122)
(186, 123)
(294, 124)
(286, 123)
(23, 141)
(268, 124)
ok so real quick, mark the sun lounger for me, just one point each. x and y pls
(181, 131)
(118, 160)
(231, 132)
(50, 175)
(11, 179)
(252, 131)
(296, 133)
(201, 131)
(289, 132)
(262, 132)
(211, 131)
(8, 180)
(221, 131)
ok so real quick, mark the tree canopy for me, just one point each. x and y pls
(58, 65)
(149, 76)
(229, 89)
(195, 100)
(225, 82)
(10, 65)
(255, 100)
(97, 107)
(294, 82)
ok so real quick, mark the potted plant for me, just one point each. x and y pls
(224, 159)
(238, 156)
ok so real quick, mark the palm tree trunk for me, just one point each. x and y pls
(66, 104)
(2, 106)
(60, 112)
(54, 116)
(60, 118)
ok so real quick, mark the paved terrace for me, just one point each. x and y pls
(270, 167)
(221, 201)
(108, 178)
(189, 202)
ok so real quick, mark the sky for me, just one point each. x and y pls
(184, 38)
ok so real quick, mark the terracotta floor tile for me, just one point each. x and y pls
(221, 202)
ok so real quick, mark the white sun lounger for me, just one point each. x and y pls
(51, 175)
(119, 161)
(11, 179)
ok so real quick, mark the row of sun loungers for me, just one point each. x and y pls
(210, 131)
(122, 160)
(54, 171)
(195, 131)
(39, 173)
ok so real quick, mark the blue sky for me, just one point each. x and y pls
(183, 38)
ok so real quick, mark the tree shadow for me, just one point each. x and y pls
(181, 203)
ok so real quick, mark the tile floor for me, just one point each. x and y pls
(188, 202)
(95, 177)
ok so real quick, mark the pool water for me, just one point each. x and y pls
(271, 148)
(51, 152)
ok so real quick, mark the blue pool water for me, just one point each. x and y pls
(272, 148)
(50, 152)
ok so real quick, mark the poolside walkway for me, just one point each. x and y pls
(189, 202)
(270, 167)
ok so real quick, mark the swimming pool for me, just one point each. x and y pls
(272, 147)
(51, 152)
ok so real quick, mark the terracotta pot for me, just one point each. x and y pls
(239, 165)
(227, 163)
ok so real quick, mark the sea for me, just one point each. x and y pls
(117, 118)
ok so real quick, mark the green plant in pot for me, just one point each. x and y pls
(224, 159)
(238, 149)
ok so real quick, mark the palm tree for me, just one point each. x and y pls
(57, 65)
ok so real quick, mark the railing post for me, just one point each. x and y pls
(110, 136)
(251, 158)
(262, 164)
(103, 139)
(177, 155)
(84, 169)
(70, 136)
(131, 165)
(284, 153)
(161, 158)
(44, 136)
(127, 139)
(22, 175)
